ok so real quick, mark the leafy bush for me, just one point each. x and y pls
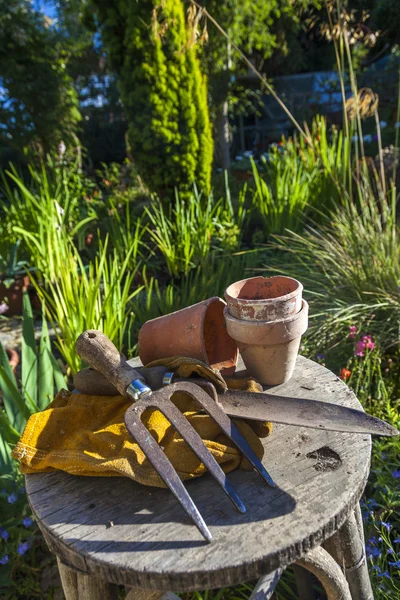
(187, 232)
(301, 177)
(40, 376)
(163, 92)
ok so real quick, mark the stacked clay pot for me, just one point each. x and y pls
(197, 331)
(266, 316)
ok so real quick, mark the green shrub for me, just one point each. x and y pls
(301, 178)
(163, 92)
(186, 233)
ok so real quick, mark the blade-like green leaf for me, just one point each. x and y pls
(7, 431)
(29, 366)
(6, 462)
(46, 384)
(59, 377)
(13, 401)
(17, 411)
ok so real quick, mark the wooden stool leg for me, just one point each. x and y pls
(266, 585)
(69, 581)
(323, 566)
(94, 588)
(348, 549)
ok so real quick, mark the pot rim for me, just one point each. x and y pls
(267, 333)
(276, 322)
(264, 301)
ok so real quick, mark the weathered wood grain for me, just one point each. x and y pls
(100, 353)
(95, 588)
(69, 580)
(348, 549)
(326, 569)
(140, 536)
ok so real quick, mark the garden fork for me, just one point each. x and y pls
(100, 353)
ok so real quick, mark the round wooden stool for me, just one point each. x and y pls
(108, 531)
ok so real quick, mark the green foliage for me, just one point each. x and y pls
(207, 280)
(188, 232)
(10, 267)
(351, 267)
(40, 376)
(282, 197)
(39, 105)
(21, 544)
(163, 91)
(94, 297)
(45, 213)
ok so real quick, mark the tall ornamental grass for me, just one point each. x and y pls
(350, 267)
(301, 178)
(45, 214)
(96, 296)
(40, 377)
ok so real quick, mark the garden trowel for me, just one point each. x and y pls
(256, 406)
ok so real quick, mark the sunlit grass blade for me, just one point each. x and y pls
(29, 354)
(46, 379)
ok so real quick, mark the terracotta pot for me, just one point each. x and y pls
(198, 331)
(14, 295)
(269, 348)
(13, 359)
(264, 298)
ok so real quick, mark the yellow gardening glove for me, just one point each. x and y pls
(86, 435)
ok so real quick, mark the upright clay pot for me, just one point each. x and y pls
(264, 298)
(198, 331)
(269, 348)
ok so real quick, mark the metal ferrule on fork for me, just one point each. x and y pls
(137, 390)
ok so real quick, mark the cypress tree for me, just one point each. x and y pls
(163, 91)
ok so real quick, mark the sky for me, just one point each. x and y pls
(48, 7)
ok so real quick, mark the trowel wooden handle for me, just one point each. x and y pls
(98, 351)
(89, 381)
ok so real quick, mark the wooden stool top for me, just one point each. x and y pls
(140, 536)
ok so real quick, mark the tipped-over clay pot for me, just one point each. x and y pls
(269, 348)
(264, 298)
(198, 331)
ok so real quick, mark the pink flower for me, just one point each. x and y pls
(353, 331)
(360, 347)
(368, 341)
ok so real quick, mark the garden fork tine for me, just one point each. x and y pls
(100, 353)
(215, 411)
(161, 400)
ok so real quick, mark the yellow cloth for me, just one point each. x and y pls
(86, 435)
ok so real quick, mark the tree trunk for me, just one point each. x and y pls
(223, 135)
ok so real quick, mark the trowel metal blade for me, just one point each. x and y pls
(302, 412)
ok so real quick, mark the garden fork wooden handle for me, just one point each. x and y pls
(89, 381)
(98, 351)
